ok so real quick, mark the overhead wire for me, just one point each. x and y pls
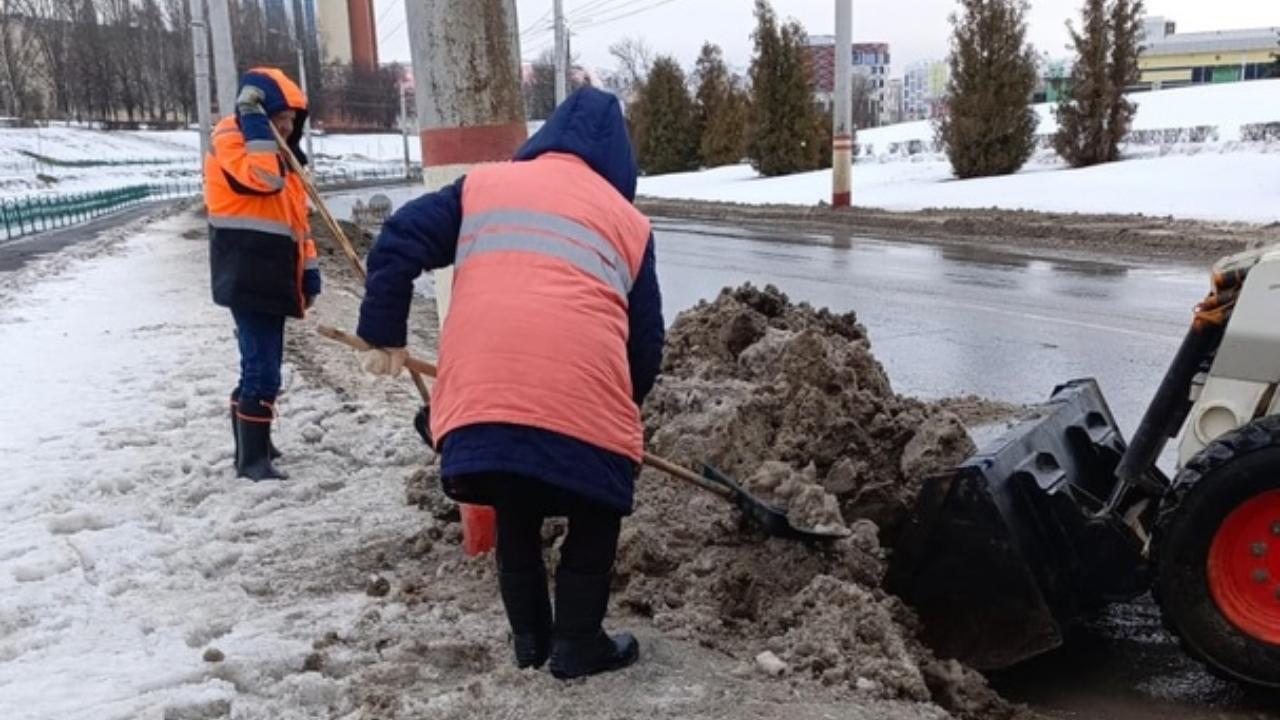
(604, 21)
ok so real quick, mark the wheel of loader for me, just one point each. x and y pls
(1217, 555)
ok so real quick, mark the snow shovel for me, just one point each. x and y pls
(769, 518)
(347, 249)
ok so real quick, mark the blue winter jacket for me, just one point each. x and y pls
(423, 235)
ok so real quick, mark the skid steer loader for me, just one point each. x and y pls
(1059, 516)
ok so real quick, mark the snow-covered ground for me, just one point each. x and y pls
(1221, 178)
(127, 546)
(1239, 186)
(1226, 108)
(62, 160)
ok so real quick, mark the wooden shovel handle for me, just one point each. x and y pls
(413, 364)
(686, 475)
(347, 248)
(430, 370)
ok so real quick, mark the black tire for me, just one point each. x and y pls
(1233, 469)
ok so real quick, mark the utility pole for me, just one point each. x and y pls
(562, 49)
(200, 52)
(404, 126)
(466, 70)
(302, 78)
(842, 136)
(224, 56)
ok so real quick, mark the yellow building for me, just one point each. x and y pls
(1170, 59)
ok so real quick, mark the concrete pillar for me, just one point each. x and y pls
(224, 56)
(466, 70)
(200, 53)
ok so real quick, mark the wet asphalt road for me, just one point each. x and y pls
(953, 320)
(950, 320)
(16, 253)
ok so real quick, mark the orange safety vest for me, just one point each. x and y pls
(538, 326)
(260, 237)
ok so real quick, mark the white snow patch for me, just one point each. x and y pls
(128, 544)
(1219, 179)
(1230, 186)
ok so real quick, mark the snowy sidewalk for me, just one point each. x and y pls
(127, 546)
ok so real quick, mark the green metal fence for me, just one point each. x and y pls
(37, 213)
(23, 216)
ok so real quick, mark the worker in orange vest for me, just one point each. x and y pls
(553, 339)
(261, 255)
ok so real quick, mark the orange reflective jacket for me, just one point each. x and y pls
(260, 239)
(537, 333)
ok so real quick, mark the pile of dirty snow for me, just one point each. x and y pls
(791, 400)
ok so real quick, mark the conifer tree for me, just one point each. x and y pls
(1093, 115)
(786, 125)
(721, 110)
(990, 126)
(664, 121)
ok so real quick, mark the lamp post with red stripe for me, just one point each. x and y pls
(842, 108)
(466, 69)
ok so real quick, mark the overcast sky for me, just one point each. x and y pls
(914, 29)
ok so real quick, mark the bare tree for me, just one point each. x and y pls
(16, 59)
(51, 34)
(634, 59)
(540, 89)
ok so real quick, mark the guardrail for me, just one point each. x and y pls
(37, 213)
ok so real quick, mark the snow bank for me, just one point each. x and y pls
(1227, 108)
(1239, 186)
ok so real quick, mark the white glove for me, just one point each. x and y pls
(385, 362)
(250, 100)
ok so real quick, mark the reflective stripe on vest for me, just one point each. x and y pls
(261, 146)
(548, 235)
(226, 222)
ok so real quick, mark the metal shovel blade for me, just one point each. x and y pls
(771, 519)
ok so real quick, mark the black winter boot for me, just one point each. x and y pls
(579, 645)
(529, 609)
(253, 435)
(235, 423)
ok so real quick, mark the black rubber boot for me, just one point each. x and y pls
(579, 645)
(253, 433)
(529, 610)
(235, 422)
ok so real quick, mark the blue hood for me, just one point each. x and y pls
(589, 124)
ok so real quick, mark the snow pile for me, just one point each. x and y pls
(791, 398)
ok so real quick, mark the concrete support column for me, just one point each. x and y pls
(466, 70)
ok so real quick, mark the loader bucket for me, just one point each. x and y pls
(1011, 546)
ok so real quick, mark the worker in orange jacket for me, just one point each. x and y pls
(262, 257)
(553, 340)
